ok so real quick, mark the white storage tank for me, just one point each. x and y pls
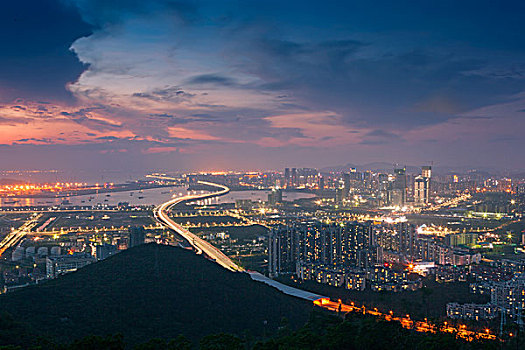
(55, 250)
(17, 254)
(30, 252)
(42, 251)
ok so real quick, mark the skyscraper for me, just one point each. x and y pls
(421, 186)
(351, 244)
(426, 171)
(426, 174)
(294, 178)
(346, 184)
(286, 178)
(399, 188)
(275, 196)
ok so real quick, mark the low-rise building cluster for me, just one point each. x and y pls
(506, 297)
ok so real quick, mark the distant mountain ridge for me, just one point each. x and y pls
(377, 166)
(385, 167)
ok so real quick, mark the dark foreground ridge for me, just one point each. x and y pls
(146, 297)
(147, 292)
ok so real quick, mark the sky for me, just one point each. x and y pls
(246, 84)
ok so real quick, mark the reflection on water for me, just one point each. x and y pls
(259, 196)
(143, 197)
(255, 196)
(153, 196)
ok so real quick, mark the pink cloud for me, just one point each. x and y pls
(184, 133)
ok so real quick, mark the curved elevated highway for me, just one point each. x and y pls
(204, 247)
(199, 244)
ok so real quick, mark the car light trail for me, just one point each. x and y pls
(16, 236)
(405, 321)
(201, 246)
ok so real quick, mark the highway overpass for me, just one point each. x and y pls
(200, 245)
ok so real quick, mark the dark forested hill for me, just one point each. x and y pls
(145, 292)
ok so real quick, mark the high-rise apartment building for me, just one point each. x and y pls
(339, 245)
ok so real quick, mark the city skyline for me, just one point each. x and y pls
(205, 85)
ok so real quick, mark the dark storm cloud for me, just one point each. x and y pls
(163, 115)
(108, 138)
(348, 76)
(212, 79)
(40, 140)
(104, 12)
(329, 51)
(171, 119)
(35, 60)
(412, 88)
(171, 93)
(84, 117)
(379, 137)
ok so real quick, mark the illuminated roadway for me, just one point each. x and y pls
(16, 236)
(406, 321)
(202, 246)
(199, 244)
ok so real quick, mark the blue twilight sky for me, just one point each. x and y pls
(175, 84)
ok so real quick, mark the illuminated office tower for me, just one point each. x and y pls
(399, 188)
(421, 188)
(287, 177)
(346, 184)
(275, 196)
(426, 171)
